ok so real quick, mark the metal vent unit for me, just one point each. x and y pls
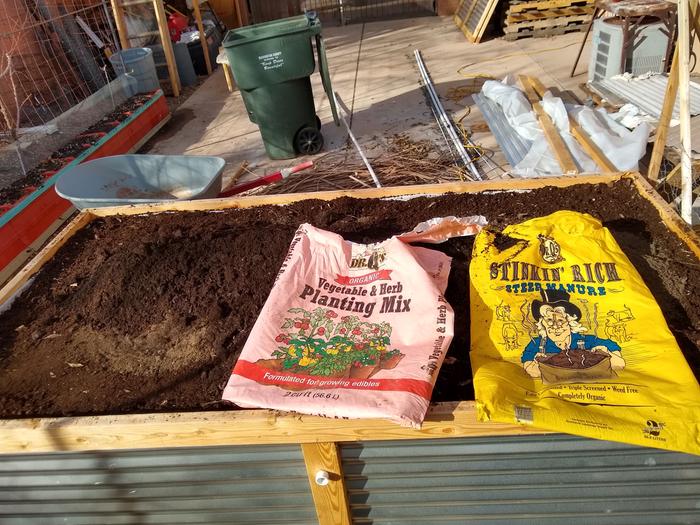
(646, 53)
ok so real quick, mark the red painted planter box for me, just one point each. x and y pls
(30, 217)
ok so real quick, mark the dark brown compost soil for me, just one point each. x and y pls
(149, 313)
(574, 359)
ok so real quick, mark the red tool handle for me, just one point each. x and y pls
(268, 179)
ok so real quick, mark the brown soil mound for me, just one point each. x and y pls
(150, 313)
(574, 359)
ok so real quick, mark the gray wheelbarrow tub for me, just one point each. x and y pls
(141, 179)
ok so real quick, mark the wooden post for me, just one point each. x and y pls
(561, 151)
(657, 153)
(162, 20)
(242, 12)
(327, 483)
(202, 34)
(239, 16)
(121, 24)
(230, 83)
(683, 49)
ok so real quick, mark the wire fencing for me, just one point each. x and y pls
(53, 58)
(53, 54)
(340, 12)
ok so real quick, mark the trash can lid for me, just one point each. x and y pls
(273, 29)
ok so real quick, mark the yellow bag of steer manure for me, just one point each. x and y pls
(567, 337)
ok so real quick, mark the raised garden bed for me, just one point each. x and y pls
(30, 209)
(148, 313)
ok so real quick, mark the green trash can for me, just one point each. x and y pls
(272, 64)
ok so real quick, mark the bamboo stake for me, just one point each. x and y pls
(202, 34)
(339, 103)
(551, 133)
(162, 20)
(121, 24)
(683, 85)
(242, 12)
(327, 483)
(237, 8)
(657, 153)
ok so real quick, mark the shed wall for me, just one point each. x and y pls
(208, 485)
(539, 480)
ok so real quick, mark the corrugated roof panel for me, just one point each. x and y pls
(647, 94)
(242, 485)
(514, 147)
(522, 479)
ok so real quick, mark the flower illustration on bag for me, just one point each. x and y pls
(321, 343)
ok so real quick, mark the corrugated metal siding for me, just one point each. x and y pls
(647, 94)
(513, 146)
(476, 15)
(213, 485)
(517, 480)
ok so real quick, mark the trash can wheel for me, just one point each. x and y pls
(308, 141)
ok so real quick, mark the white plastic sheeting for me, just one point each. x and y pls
(622, 147)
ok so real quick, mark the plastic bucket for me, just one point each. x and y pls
(137, 63)
(183, 61)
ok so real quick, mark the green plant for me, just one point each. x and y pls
(316, 342)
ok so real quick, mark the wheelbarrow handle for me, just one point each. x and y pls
(268, 179)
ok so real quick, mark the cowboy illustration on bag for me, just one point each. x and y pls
(561, 333)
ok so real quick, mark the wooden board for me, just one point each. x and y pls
(669, 216)
(235, 427)
(202, 34)
(370, 193)
(473, 16)
(166, 42)
(577, 131)
(120, 21)
(512, 18)
(20, 260)
(551, 133)
(544, 32)
(263, 427)
(331, 500)
(26, 273)
(522, 7)
(575, 23)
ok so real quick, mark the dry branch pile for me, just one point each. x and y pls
(404, 162)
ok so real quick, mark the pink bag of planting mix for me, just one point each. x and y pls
(352, 330)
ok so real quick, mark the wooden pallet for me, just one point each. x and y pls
(545, 31)
(517, 6)
(512, 18)
(576, 22)
(473, 16)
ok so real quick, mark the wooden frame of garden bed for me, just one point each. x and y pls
(317, 436)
